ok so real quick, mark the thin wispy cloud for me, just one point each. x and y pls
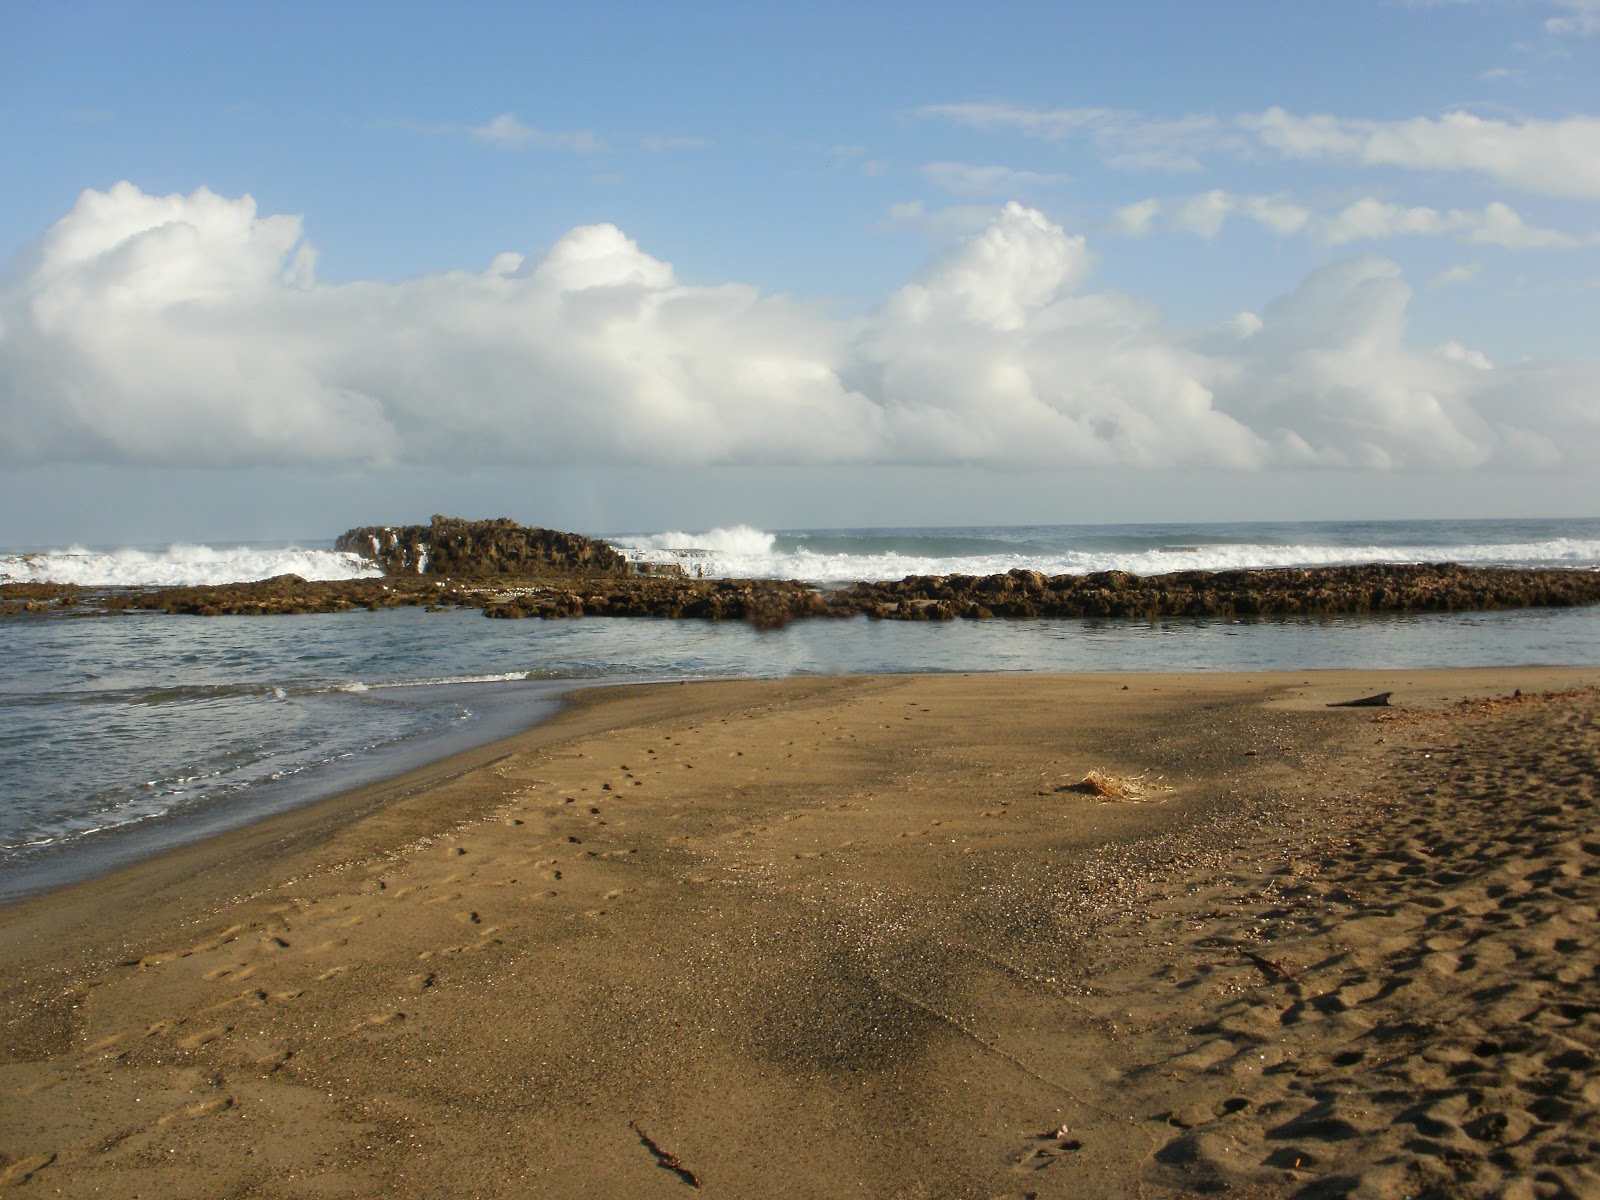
(665, 145)
(508, 132)
(1367, 219)
(967, 179)
(1457, 275)
(1577, 17)
(1553, 158)
(1545, 157)
(1581, 18)
(1127, 140)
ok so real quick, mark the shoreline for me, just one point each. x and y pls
(866, 924)
(126, 847)
(121, 847)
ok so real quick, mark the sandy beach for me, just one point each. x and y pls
(862, 936)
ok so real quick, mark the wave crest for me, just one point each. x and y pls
(181, 565)
(760, 556)
(736, 541)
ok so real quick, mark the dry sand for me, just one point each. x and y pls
(861, 936)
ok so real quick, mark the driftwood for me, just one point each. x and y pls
(665, 1159)
(1381, 700)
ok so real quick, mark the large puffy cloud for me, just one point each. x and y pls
(1327, 379)
(191, 329)
(995, 356)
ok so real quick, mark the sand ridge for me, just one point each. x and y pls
(868, 936)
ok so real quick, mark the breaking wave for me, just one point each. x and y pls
(180, 566)
(742, 552)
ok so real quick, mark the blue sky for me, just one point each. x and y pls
(912, 251)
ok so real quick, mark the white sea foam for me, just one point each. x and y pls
(357, 687)
(749, 553)
(180, 566)
(739, 542)
(449, 680)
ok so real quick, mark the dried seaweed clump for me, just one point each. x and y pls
(1109, 786)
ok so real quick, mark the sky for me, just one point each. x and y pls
(277, 270)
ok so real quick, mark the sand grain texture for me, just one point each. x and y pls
(862, 936)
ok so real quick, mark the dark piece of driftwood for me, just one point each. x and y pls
(666, 1159)
(1381, 700)
(1268, 967)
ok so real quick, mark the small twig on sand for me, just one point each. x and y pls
(665, 1158)
(1268, 966)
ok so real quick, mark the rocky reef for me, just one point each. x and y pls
(479, 549)
(1284, 591)
(511, 571)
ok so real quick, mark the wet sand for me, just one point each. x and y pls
(862, 936)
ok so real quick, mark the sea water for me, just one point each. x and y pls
(123, 734)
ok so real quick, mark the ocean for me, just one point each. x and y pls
(126, 734)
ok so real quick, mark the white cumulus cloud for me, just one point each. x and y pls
(191, 329)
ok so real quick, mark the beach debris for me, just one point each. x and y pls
(1381, 700)
(1046, 1148)
(1110, 786)
(1271, 968)
(665, 1158)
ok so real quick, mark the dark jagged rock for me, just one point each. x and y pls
(1294, 591)
(479, 549)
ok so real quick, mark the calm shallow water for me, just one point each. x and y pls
(124, 734)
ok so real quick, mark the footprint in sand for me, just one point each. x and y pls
(230, 934)
(16, 1173)
(203, 1108)
(204, 1037)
